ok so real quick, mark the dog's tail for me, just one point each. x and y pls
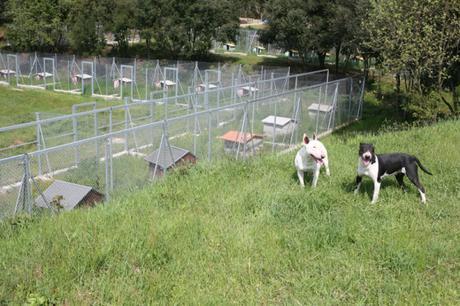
(421, 166)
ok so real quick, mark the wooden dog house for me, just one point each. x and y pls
(235, 141)
(278, 125)
(70, 195)
(164, 159)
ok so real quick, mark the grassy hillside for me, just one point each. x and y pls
(247, 233)
(19, 105)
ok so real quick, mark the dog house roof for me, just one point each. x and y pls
(210, 86)
(238, 137)
(168, 83)
(320, 108)
(280, 121)
(164, 159)
(72, 194)
(250, 88)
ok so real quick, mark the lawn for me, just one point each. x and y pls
(246, 233)
(19, 105)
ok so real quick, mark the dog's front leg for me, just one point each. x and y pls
(300, 175)
(359, 179)
(315, 176)
(375, 195)
(326, 165)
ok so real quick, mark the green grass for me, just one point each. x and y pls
(246, 233)
(19, 105)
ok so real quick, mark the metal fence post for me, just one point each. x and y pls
(126, 124)
(333, 110)
(206, 102)
(274, 125)
(27, 196)
(39, 147)
(361, 96)
(319, 107)
(96, 123)
(350, 99)
(75, 135)
(107, 170)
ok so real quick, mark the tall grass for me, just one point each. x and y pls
(247, 233)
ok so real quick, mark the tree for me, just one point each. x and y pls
(305, 25)
(186, 27)
(421, 41)
(251, 8)
(2, 12)
(86, 24)
(122, 19)
(37, 25)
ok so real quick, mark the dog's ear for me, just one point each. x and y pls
(305, 139)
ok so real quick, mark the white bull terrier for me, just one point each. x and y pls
(311, 157)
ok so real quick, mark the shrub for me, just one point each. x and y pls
(424, 107)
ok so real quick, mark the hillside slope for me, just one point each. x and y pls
(247, 233)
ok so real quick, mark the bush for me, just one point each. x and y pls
(425, 107)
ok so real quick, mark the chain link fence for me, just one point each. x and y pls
(118, 78)
(101, 153)
(89, 119)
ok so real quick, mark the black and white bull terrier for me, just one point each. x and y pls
(378, 166)
(311, 156)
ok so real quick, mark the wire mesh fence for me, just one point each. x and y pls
(99, 153)
(117, 78)
(89, 119)
(248, 42)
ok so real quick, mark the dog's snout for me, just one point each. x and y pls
(323, 156)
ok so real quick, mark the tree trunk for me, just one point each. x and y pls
(366, 67)
(148, 43)
(337, 54)
(321, 58)
(455, 98)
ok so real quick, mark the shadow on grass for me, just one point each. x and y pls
(367, 186)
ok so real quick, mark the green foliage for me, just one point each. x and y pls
(184, 28)
(419, 41)
(425, 107)
(187, 28)
(37, 25)
(86, 26)
(246, 233)
(316, 26)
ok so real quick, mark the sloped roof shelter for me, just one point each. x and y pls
(238, 137)
(72, 195)
(162, 156)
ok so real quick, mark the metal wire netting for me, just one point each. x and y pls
(116, 151)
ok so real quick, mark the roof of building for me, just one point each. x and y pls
(84, 76)
(320, 108)
(210, 86)
(250, 88)
(72, 194)
(238, 137)
(280, 121)
(168, 83)
(164, 158)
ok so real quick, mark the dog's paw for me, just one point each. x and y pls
(355, 191)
